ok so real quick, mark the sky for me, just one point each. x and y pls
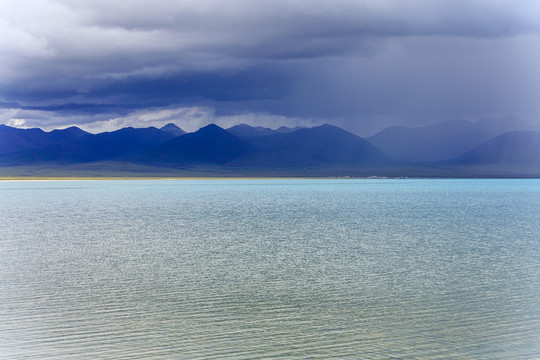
(361, 64)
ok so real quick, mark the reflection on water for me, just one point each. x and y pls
(270, 269)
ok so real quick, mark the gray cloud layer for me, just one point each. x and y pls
(350, 62)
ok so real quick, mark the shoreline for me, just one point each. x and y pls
(187, 178)
(114, 178)
(41, 178)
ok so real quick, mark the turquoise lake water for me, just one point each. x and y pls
(262, 269)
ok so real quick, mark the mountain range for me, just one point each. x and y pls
(89, 147)
(209, 145)
(520, 148)
(324, 145)
(14, 140)
(443, 141)
(506, 146)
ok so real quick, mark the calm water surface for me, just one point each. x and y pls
(253, 269)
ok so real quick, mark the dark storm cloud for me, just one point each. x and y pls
(303, 59)
(260, 82)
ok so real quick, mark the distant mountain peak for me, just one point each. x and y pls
(173, 129)
(248, 131)
(211, 128)
(170, 126)
(71, 129)
(326, 126)
(243, 126)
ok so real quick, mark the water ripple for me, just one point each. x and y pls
(223, 270)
